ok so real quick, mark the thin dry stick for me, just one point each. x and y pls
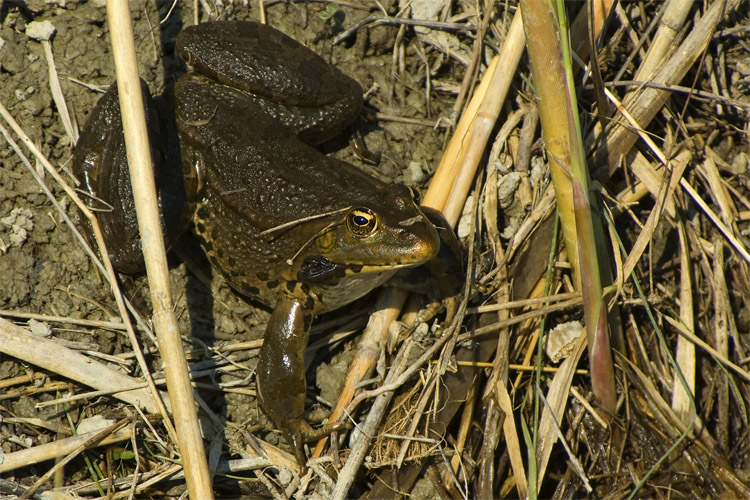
(535, 313)
(524, 302)
(145, 485)
(48, 354)
(62, 319)
(58, 448)
(685, 357)
(97, 436)
(472, 69)
(147, 209)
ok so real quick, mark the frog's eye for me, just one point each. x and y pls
(415, 196)
(362, 222)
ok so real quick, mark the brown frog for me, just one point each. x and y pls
(301, 232)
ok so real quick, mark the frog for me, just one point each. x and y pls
(284, 224)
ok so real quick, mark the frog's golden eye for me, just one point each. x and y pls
(362, 222)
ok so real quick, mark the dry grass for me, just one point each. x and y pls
(471, 406)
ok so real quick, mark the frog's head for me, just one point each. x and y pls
(370, 238)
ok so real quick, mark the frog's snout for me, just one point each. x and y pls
(425, 242)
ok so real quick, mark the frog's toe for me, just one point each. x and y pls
(294, 436)
(299, 431)
(314, 434)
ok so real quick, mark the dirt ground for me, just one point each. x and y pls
(45, 271)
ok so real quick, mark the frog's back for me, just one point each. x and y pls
(272, 174)
(275, 215)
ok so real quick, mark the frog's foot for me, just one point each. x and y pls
(298, 431)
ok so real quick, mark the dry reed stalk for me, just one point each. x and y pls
(673, 18)
(543, 45)
(557, 396)
(144, 192)
(646, 102)
(719, 193)
(470, 138)
(682, 396)
(57, 95)
(650, 179)
(674, 171)
(579, 28)
(547, 45)
(718, 357)
(512, 442)
(723, 324)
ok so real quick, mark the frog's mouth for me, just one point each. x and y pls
(317, 269)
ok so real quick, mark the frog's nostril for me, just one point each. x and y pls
(410, 221)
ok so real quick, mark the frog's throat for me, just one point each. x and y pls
(352, 269)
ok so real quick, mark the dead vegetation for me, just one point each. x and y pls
(495, 399)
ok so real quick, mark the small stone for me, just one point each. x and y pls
(40, 30)
(506, 188)
(39, 328)
(94, 424)
(739, 164)
(17, 225)
(414, 174)
(426, 10)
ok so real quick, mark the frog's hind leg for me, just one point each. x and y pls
(100, 163)
(287, 81)
(281, 373)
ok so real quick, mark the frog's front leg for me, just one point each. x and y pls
(281, 373)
